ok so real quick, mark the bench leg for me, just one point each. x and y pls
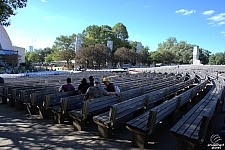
(78, 125)
(43, 113)
(19, 105)
(104, 132)
(58, 118)
(139, 140)
(181, 145)
(4, 100)
(11, 102)
(31, 109)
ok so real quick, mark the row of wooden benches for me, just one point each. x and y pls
(136, 106)
(96, 105)
(192, 128)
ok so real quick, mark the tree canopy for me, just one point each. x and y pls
(8, 8)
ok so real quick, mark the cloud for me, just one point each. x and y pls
(218, 19)
(147, 6)
(223, 33)
(208, 12)
(44, 1)
(185, 11)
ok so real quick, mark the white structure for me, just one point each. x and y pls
(21, 53)
(78, 44)
(139, 47)
(5, 42)
(196, 60)
(110, 45)
(7, 48)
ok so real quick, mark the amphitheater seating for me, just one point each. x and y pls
(191, 129)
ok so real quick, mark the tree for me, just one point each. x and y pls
(93, 55)
(11, 59)
(8, 8)
(49, 58)
(68, 55)
(63, 47)
(120, 31)
(125, 55)
(181, 50)
(65, 42)
(204, 56)
(32, 57)
(92, 35)
(217, 59)
(156, 57)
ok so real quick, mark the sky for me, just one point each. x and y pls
(198, 22)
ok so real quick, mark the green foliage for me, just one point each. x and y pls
(65, 42)
(68, 55)
(120, 31)
(93, 55)
(125, 55)
(217, 59)
(180, 52)
(8, 8)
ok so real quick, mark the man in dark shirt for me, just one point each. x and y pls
(67, 87)
(82, 88)
(91, 79)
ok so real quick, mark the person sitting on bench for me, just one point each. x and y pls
(96, 90)
(82, 88)
(67, 87)
(109, 86)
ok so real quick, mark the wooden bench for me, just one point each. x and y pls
(90, 108)
(37, 98)
(66, 104)
(191, 129)
(50, 100)
(143, 125)
(7, 91)
(106, 121)
(98, 105)
(25, 95)
(14, 94)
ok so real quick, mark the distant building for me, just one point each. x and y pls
(21, 53)
(196, 60)
(139, 47)
(7, 48)
(110, 45)
(78, 44)
(31, 48)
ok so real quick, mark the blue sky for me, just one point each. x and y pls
(200, 22)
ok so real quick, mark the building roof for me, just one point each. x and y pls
(5, 42)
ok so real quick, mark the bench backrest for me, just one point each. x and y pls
(131, 93)
(54, 99)
(160, 112)
(69, 103)
(125, 108)
(25, 94)
(38, 97)
(98, 105)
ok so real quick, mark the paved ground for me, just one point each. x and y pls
(20, 131)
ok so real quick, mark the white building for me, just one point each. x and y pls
(196, 60)
(7, 48)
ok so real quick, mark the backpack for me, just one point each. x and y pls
(117, 89)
